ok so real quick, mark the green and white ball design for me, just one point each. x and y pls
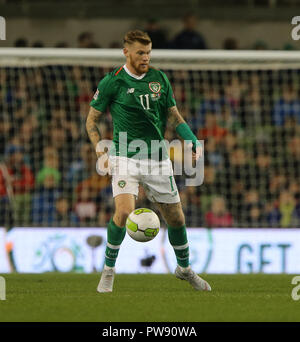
(142, 224)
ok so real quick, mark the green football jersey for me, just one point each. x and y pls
(139, 107)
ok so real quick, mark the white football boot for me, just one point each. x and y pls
(107, 280)
(186, 273)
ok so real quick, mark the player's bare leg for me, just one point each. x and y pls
(124, 205)
(174, 216)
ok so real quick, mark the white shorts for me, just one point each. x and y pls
(156, 177)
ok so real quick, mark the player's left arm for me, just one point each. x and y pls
(176, 120)
(174, 117)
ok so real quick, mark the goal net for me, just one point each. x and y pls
(245, 105)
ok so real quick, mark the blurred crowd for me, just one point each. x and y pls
(188, 37)
(249, 120)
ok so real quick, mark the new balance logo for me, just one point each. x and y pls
(130, 91)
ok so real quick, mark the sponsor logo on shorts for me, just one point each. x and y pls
(121, 183)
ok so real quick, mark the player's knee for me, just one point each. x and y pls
(121, 215)
(178, 221)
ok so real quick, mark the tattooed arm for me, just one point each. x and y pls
(174, 117)
(92, 128)
(184, 131)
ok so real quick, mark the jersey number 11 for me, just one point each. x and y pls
(147, 106)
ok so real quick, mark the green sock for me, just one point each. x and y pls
(178, 240)
(115, 236)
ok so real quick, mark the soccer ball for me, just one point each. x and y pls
(142, 224)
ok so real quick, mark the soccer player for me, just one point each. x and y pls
(141, 102)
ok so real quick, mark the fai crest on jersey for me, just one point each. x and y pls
(155, 87)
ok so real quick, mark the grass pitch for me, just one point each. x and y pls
(56, 297)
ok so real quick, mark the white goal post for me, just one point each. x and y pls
(191, 59)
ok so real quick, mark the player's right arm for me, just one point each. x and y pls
(100, 102)
(93, 132)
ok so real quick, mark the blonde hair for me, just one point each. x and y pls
(137, 36)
